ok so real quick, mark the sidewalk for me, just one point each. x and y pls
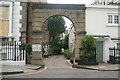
(101, 67)
(13, 69)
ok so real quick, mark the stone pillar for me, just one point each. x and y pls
(23, 21)
(37, 55)
(10, 19)
(79, 36)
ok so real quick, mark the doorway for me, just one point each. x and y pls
(99, 51)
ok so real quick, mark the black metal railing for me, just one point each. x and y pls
(92, 51)
(114, 54)
(14, 51)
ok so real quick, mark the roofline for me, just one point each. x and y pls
(59, 6)
(102, 6)
(115, 38)
(101, 36)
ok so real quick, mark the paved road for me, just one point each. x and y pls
(58, 67)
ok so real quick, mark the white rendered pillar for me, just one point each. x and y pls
(10, 19)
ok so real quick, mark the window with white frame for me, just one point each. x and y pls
(110, 19)
(113, 19)
(116, 19)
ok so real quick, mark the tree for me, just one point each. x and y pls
(56, 26)
(56, 45)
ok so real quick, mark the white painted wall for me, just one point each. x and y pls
(16, 20)
(96, 21)
(71, 39)
(14, 28)
(96, 24)
(21, 63)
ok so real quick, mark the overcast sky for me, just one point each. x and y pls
(71, 1)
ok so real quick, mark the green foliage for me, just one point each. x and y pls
(65, 42)
(29, 52)
(50, 51)
(71, 57)
(88, 44)
(67, 53)
(56, 25)
(56, 45)
(29, 48)
(89, 57)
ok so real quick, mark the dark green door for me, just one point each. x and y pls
(99, 51)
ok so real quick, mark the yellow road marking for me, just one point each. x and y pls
(69, 62)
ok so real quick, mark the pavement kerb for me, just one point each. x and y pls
(18, 72)
(39, 67)
(14, 72)
(91, 68)
(96, 68)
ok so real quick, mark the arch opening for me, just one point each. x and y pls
(68, 33)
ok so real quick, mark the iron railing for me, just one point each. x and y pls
(114, 54)
(92, 50)
(14, 51)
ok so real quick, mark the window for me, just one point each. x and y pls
(116, 19)
(110, 18)
(4, 20)
(118, 45)
(113, 19)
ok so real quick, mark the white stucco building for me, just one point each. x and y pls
(102, 22)
(10, 15)
(10, 31)
(104, 2)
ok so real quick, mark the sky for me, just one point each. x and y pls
(88, 2)
(67, 22)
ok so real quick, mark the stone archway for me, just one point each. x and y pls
(39, 13)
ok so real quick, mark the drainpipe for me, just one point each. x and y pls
(29, 22)
(29, 26)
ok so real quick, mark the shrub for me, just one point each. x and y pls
(29, 52)
(88, 44)
(71, 56)
(56, 45)
(89, 57)
(50, 51)
(67, 53)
